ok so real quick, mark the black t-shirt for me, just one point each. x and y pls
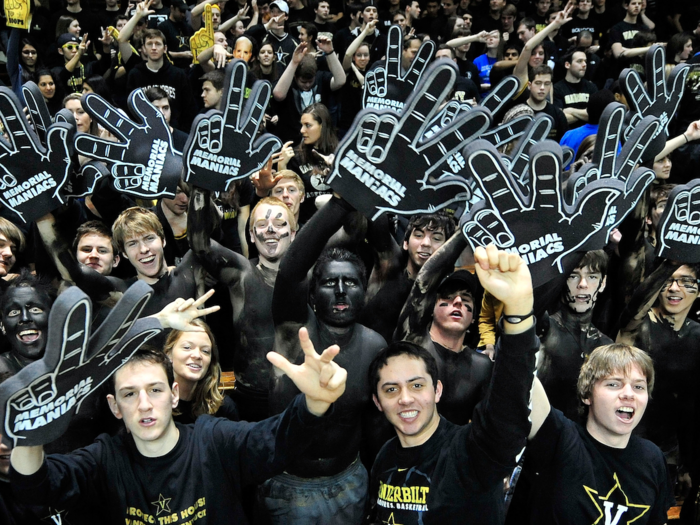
(200, 479)
(227, 410)
(289, 110)
(624, 32)
(456, 476)
(468, 70)
(689, 109)
(560, 125)
(573, 95)
(577, 25)
(177, 37)
(578, 480)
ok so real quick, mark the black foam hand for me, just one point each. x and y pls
(395, 163)
(660, 98)
(143, 162)
(678, 232)
(32, 175)
(39, 111)
(222, 147)
(385, 87)
(83, 183)
(610, 163)
(38, 403)
(533, 220)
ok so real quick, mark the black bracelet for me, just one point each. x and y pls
(516, 319)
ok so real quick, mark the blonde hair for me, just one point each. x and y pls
(274, 201)
(608, 360)
(290, 175)
(206, 398)
(133, 222)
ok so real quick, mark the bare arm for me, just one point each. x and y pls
(355, 44)
(325, 44)
(27, 460)
(691, 134)
(285, 81)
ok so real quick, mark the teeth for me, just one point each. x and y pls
(29, 332)
(409, 414)
(147, 420)
(626, 409)
(148, 259)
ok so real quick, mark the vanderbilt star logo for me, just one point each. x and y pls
(617, 509)
(391, 520)
(282, 56)
(162, 505)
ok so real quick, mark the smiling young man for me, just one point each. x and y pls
(599, 472)
(158, 468)
(568, 336)
(656, 320)
(95, 248)
(435, 471)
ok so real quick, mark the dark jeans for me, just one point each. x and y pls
(338, 499)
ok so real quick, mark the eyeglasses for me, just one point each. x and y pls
(71, 47)
(685, 282)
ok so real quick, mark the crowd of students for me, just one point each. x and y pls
(418, 398)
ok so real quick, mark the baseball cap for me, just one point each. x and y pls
(281, 5)
(65, 38)
(180, 4)
(459, 279)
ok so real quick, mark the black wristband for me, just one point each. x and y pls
(516, 319)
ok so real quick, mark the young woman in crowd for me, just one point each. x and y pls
(195, 359)
(49, 89)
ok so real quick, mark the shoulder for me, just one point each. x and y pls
(370, 338)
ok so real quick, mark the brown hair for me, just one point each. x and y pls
(135, 221)
(13, 234)
(206, 398)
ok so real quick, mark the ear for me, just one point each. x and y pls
(405, 245)
(60, 51)
(303, 198)
(438, 391)
(115, 261)
(602, 284)
(587, 401)
(114, 407)
(125, 256)
(377, 403)
(292, 235)
(175, 394)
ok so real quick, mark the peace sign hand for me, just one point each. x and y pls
(32, 175)
(386, 87)
(318, 377)
(397, 163)
(144, 162)
(37, 404)
(660, 98)
(222, 147)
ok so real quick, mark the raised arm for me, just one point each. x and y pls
(387, 255)
(285, 81)
(142, 10)
(418, 310)
(355, 44)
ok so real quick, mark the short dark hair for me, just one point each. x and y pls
(597, 103)
(407, 42)
(336, 254)
(430, 221)
(596, 260)
(307, 67)
(95, 228)
(397, 349)
(27, 279)
(154, 93)
(311, 29)
(147, 355)
(528, 22)
(153, 33)
(542, 69)
(216, 77)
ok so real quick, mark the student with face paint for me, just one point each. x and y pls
(328, 483)
(568, 336)
(250, 284)
(437, 315)
(396, 268)
(656, 320)
(435, 471)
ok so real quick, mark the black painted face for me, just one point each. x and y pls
(26, 321)
(339, 295)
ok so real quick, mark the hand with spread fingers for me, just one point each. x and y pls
(39, 115)
(659, 97)
(32, 175)
(37, 404)
(179, 314)
(678, 232)
(386, 87)
(224, 147)
(319, 378)
(143, 162)
(398, 163)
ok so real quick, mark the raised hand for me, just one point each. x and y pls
(179, 314)
(398, 163)
(37, 404)
(386, 87)
(660, 98)
(678, 232)
(318, 377)
(609, 162)
(32, 176)
(222, 147)
(505, 276)
(535, 220)
(144, 162)
(204, 36)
